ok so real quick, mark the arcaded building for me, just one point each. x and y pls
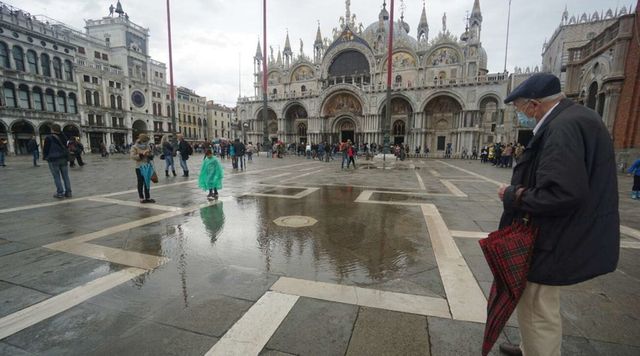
(442, 92)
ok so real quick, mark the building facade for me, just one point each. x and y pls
(442, 92)
(100, 85)
(600, 71)
(220, 119)
(192, 115)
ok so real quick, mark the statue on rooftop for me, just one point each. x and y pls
(111, 10)
(119, 9)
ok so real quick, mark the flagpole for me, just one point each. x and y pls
(171, 86)
(506, 48)
(387, 122)
(265, 116)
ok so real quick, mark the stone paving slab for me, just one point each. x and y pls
(14, 298)
(382, 332)
(315, 327)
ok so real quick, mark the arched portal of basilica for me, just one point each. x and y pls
(341, 112)
(442, 114)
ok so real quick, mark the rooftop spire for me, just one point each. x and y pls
(258, 55)
(384, 14)
(347, 12)
(476, 10)
(287, 44)
(318, 35)
(423, 17)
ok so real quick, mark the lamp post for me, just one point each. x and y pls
(245, 127)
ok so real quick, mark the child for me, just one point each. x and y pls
(211, 175)
(635, 170)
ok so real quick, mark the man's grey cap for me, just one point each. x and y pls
(537, 86)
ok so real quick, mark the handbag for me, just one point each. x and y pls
(162, 156)
(154, 177)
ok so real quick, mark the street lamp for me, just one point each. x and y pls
(245, 127)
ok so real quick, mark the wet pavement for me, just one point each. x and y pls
(297, 257)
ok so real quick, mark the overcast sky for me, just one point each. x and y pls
(215, 40)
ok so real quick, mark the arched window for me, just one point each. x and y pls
(112, 100)
(275, 91)
(87, 97)
(4, 55)
(45, 63)
(68, 70)
(18, 57)
(303, 88)
(57, 68)
(49, 100)
(96, 98)
(10, 94)
(73, 106)
(168, 110)
(62, 102)
(119, 102)
(23, 97)
(32, 61)
(38, 104)
(398, 79)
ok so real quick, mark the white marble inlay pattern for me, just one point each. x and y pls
(135, 204)
(466, 300)
(420, 182)
(469, 234)
(400, 302)
(36, 313)
(109, 254)
(473, 173)
(249, 334)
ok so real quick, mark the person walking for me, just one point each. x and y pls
(211, 175)
(168, 152)
(185, 151)
(79, 151)
(55, 152)
(32, 147)
(250, 152)
(351, 155)
(3, 151)
(142, 153)
(635, 170)
(232, 154)
(564, 186)
(240, 150)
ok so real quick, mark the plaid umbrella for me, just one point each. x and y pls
(508, 253)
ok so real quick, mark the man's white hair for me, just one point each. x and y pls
(553, 97)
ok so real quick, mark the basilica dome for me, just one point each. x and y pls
(400, 36)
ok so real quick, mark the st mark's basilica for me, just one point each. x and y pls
(442, 92)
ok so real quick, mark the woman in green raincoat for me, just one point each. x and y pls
(211, 175)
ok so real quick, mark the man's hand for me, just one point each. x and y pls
(501, 190)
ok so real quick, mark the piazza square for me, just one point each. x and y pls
(305, 217)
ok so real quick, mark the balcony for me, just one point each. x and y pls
(32, 114)
(488, 79)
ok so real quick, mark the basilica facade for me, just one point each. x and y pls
(442, 92)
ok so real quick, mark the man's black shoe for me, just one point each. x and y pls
(510, 349)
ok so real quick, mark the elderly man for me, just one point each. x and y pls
(565, 185)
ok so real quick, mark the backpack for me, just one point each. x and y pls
(189, 149)
(72, 147)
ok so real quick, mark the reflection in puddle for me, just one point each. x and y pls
(353, 242)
